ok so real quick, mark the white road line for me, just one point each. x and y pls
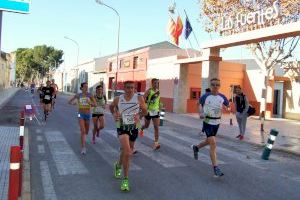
(65, 159)
(49, 192)
(186, 150)
(158, 157)
(41, 148)
(232, 154)
(110, 154)
(38, 131)
(39, 138)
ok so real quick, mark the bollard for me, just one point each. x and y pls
(269, 145)
(162, 116)
(231, 124)
(22, 121)
(14, 173)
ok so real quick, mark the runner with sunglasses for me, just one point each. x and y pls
(211, 111)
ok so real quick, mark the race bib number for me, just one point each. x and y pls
(153, 113)
(83, 101)
(47, 97)
(128, 119)
(99, 110)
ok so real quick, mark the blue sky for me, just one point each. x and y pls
(94, 27)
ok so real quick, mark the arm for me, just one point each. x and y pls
(143, 106)
(93, 101)
(113, 107)
(71, 101)
(246, 105)
(146, 94)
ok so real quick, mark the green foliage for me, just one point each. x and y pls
(36, 62)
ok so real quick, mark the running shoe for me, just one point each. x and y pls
(218, 172)
(238, 136)
(156, 146)
(117, 170)
(241, 137)
(83, 151)
(195, 150)
(125, 185)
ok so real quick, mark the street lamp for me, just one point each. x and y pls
(77, 82)
(118, 44)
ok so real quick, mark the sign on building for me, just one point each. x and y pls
(19, 6)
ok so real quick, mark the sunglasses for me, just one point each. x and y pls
(215, 85)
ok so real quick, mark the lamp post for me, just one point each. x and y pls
(118, 41)
(77, 79)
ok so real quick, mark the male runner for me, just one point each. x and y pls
(126, 110)
(211, 112)
(47, 98)
(153, 105)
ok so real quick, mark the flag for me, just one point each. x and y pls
(179, 28)
(188, 28)
(175, 29)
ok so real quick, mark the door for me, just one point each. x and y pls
(278, 99)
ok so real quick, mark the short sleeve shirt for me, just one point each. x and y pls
(212, 107)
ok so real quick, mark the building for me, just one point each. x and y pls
(5, 69)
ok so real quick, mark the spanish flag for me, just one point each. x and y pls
(175, 29)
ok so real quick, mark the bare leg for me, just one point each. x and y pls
(125, 154)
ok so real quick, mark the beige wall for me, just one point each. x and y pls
(4, 73)
(292, 104)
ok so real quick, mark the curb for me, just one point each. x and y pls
(26, 182)
(277, 149)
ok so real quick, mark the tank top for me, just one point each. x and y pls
(84, 101)
(128, 110)
(153, 100)
(100, 102)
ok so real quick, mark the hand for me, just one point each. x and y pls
(117, 116)
(201, 116)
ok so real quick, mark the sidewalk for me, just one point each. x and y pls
(6, 94)
(288, 139)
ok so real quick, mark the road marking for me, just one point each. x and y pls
(110, 154)
(232, 154)
(39, 138)
(65, 159)
(49, 192)
(38, 131)
(186, 150)
(41, 148)
(158, 157)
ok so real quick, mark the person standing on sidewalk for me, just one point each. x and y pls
(152, 97)
(212, 104)
(242, 106)
(126, 110)
(85, 101)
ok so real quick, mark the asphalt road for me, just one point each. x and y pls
(58, 171)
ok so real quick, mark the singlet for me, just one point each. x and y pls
(212, 107)
(153, 101)
(100, 102)
(128, 110)
(84, 100)
(47, 93)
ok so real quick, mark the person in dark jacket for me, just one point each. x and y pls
(242, 106)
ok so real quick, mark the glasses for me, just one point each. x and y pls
(215, 85)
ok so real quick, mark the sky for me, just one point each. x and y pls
(94, 27)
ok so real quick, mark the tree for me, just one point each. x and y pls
(37, 62)
(225, 16)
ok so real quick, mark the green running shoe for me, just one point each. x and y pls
(117, 170)
(125, 185)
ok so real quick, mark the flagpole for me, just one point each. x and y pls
(187, 52)
(192, 31)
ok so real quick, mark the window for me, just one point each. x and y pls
(110, 67)
(121, 64)
(135, 62)
(195, 93)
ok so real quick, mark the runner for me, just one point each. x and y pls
(47, 93)
(55, 88)
(32, 88)
(98, 112)
(126, 110)
(153, 105)
(85, 101)
(211, 112)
